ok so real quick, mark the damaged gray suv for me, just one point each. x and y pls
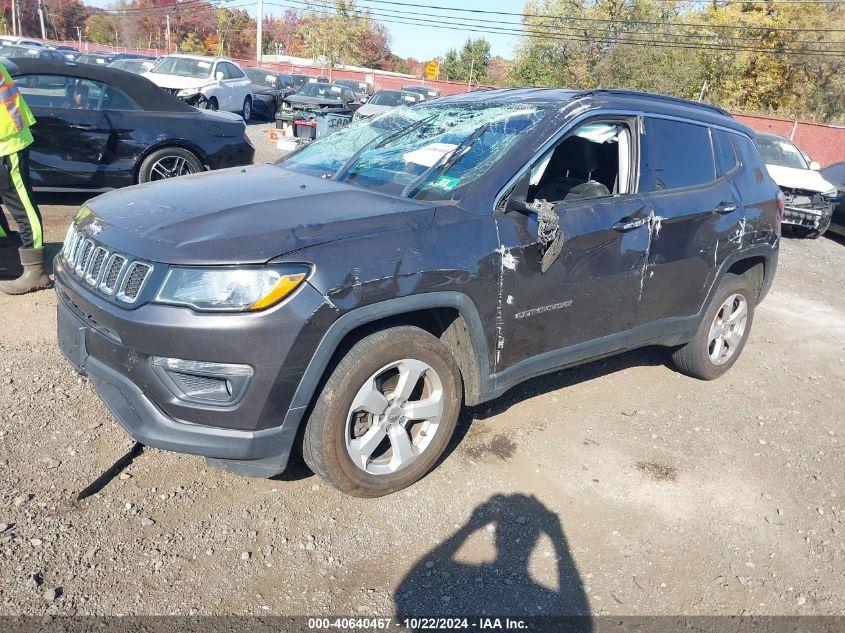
(347, 302)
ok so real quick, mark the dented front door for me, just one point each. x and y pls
(590, 288)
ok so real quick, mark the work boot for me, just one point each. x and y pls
(33, 277)
(10, 265)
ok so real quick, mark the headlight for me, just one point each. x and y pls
(188, 92)
(230, 289)
(831, 194)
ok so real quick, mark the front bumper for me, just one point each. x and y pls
(112, 345)
(807, 210)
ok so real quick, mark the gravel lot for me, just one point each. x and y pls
(621, 487)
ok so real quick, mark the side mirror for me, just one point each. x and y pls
(815, 166)
(219, 75)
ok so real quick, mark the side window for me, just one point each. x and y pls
(232, 71)
(57, 91)
(677, 155)
(593, 161)
(726, 159)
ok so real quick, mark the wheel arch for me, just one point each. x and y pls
(451, 316)
(757, 263)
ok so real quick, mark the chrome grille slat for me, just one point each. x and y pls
(98, 258)
(133, 281)
(110, 273)
(84, 257)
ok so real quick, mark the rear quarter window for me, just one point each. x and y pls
(677, 155)
(726, 160)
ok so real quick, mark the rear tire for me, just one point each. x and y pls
(169, 162)
(722, 334)
(246, 110)
(361, 436)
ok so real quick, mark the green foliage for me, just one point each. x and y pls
(588, 54)
(474, 58)
(193, 45)
(100, 28)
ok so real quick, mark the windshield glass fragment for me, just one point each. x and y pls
(428, 152)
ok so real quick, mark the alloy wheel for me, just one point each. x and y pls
(727, 329)
(394, 417)
(170, 167)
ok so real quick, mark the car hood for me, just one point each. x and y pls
(177, 82)
(241, 215)
(792, 178)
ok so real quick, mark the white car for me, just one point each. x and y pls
(808, 197)
(212, 83)
(385, 100)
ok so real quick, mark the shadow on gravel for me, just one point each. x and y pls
(443, 584)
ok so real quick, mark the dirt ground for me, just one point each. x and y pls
(621, 487)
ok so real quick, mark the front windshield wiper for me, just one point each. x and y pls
(443, 165)
(379, 141)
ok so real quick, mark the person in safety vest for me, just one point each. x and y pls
(26, 247)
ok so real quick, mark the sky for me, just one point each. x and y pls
(426, 42)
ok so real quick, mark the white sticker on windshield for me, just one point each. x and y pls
(270, 78)
(204, 64)
(787, 147)
(100, 60)
(430, 154)
(337, 89)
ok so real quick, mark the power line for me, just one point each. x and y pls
(614, 20)
(576, 38)
(529, 28)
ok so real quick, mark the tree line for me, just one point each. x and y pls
(753, 56)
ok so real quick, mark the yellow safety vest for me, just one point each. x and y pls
(15, 117)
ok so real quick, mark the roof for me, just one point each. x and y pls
(204, 58)
(609, 98)
(775, 137)
(140, 89)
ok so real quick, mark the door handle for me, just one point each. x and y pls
(627, 224)
(725, 207)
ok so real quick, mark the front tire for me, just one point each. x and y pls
(169, 162)
(722, 334)
(246, 110)
(386, 413)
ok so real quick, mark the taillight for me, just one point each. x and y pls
(249, 141)
(781, 201)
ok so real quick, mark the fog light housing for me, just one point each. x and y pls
(201, 382)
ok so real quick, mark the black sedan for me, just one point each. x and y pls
(315, 110)
(20, 51)
(99, 128)
(835, 175)
(268, 89)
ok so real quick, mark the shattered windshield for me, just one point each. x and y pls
(428, 152)
(327, 92)
(780, 153)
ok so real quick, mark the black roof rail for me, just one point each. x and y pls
(650, 95)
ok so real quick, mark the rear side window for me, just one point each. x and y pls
(726, 159)
(678, 155)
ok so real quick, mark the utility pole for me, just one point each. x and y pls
(471, 66)
(41, 19)
(259, 31)
(79, 35)
(167, 35)
(14, 17)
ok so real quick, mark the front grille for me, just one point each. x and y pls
(113, 270)
(133, 282)
(110, 273)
